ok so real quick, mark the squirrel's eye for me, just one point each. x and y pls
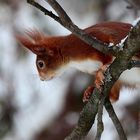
(41, 64)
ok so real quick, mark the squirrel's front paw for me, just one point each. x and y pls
(99, 81)
(87, 93)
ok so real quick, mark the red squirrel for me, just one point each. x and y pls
(57, 53)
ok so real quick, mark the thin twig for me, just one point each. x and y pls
(115, 120)
(44, 10)
(100, 125)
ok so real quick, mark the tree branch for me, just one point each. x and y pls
(60, 11)
(100, 125)
(87, 117)
(44, 10)
(115, 120)
(97, 44)
(121, 63)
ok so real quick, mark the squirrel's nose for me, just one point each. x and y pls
(42, 76)
(42, 79)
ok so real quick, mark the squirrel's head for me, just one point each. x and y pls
(49, 59)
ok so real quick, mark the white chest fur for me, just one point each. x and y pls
(131, 76)
(87, 66)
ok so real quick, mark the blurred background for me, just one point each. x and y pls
(34, 110)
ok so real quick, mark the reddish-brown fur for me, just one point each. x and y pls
(58, 51)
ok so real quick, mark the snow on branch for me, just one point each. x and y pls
(136, 21)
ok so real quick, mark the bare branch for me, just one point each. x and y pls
(120, 64)
(87, 117)
(115, 120)
(97, 44)
(60, 11)
(100, 125)
(44, 10)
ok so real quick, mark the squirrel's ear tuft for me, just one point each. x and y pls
(32, 42)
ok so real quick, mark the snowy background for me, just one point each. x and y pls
(34, 110)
